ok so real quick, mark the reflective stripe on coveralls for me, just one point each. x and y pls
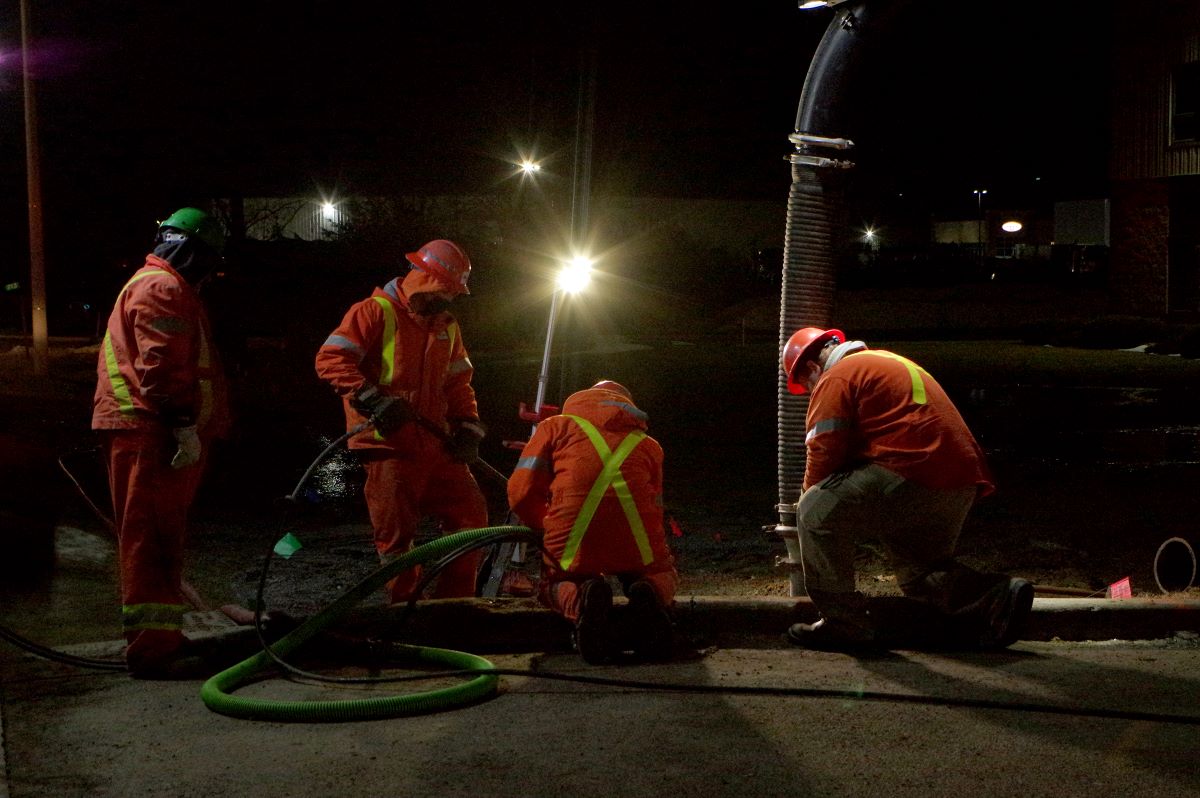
(610, 474)
(163, 617)
(918, 393)
(387, 366)
(914, 371)
(121, 389)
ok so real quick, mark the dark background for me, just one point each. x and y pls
(143, 107)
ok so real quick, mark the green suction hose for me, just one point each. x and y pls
(217, 691)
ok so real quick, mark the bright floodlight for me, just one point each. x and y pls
(328, 210)
(811, 4)
(1012, 226)
(868, 234)
(575, 276)
(530, 167)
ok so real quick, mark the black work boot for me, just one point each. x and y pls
(593, 632)
(1009, 615)
(833, 635)
(845, 625)
(651, 633)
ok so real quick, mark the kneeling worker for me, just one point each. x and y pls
(889, 456)
(591, 478)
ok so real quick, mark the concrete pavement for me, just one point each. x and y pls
(1040, 719)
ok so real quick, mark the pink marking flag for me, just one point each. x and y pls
(1121, 589)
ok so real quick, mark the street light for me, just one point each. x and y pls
(979, 192)
(572, 278)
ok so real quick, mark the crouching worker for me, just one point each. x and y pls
(591, 478)
(889, 457)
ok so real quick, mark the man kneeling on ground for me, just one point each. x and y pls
(591, 478)
(888, 455)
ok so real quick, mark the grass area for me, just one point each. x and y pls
(1006, 363)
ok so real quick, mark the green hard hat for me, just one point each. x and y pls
(198, 223)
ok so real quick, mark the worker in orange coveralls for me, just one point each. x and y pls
(160, 402)
(888, 455)
(398, 359)
(591, 478)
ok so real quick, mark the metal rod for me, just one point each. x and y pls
(544, 375)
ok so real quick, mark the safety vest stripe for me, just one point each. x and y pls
(610, 475)
(459, 366)
(636, 412)
(387, 367)
(826, 425)
(914, 371)
(342, 342)
(533, 464)
(120, 388)
(152, 616)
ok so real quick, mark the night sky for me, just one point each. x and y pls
(149, 105)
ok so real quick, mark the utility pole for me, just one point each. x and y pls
(37, 257)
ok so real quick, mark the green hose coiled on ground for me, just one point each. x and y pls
(217, 691)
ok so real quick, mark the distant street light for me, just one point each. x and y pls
(979, 192)
(530, 168)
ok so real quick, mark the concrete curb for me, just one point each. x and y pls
(523, 625)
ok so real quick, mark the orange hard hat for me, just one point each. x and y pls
(445, 261)
(805, 344)
(615, 387)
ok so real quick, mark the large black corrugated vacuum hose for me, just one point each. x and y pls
(815, 227)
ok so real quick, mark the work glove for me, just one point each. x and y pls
(188, 451)
(387, 413)
(463, 443)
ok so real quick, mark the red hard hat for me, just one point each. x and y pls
(446, 261)
(805, 344)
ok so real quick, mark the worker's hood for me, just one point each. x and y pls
(396, 291)
(193, 259)
(608, 410)
(420, 282)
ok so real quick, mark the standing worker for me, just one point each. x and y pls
(591, 478)
(889, 456)
(160, 401)
(398, 359)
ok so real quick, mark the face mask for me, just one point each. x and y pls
(435, 306)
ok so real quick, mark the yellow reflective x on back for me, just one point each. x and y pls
(610, 475)
(120, 388)
(914, 371)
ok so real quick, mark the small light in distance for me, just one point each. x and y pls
(1011, 226)
(576, 275)
(868, 234)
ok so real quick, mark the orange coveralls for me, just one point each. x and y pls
(888, 454)
(601, 514)
(156, 370)
(410, 474)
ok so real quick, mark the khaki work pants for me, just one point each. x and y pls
(917, 526)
